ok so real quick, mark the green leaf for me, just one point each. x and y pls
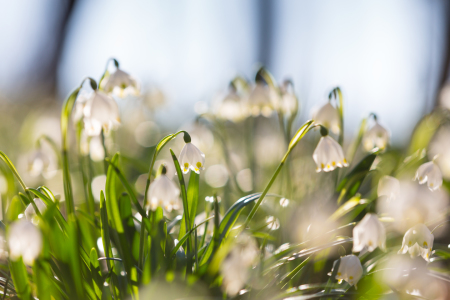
(20, 279)
(186, 236)
(15, 208)
(96, 273)
(192, 200)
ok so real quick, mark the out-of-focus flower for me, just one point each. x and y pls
(120, 84)
(30, 212)
(329, 155)
(369, 234)
(284, 202)
(429, 172)
(163, 192)
(232, 107)
(288, 102)
(42, 162)
(389, 187)
(350, 269)
(192, 158)
(80, 103)
(413, 204)
(96, 150)
(234, 268)
(216, 176)
(24, 240)
(418, 241)
(328, 116)
(377, 136)
(100, 111)
(272, 223)
(260, 100)
(245, 180)
(98, 185)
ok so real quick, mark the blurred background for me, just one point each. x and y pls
(389, 57)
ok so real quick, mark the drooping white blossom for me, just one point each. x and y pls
(369, 233)
(24, 240)
(30, 212)
(328, 116)
(120, 84)
(329, 155)
(96, 150)
(163, 192)
(260, 100)
(42, 162)
(349, 270)
(429, 172)
(376, 137)
(288, 101)
(235, 267)
(232, 107)
(100, 111)
(418, 240)
(389, 187)
(192, 158)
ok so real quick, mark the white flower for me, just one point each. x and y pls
(389, 187)
(235, 267)
(163, 192)
(100, 111)
(329, 155)
(369, 233)
(260, 100)
(288, 102)
(328, 116)
(42, 162)
(350, 269)
(24, 240)
(96, 150)
(272, 223)
(418, 241)
(377, 136)
(30, 212)
(232, 107)
(121, 84)
(429, 172)
(192, 158)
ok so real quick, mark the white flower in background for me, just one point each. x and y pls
(24, 240)
(80, 103)
(120, 84)
(96, 150)
(42, 162)
(377, 136)
(369, 234)
(429, 172)
(235, 267)
(418, 241)
(100, 111)
(232, 106)
(349, 270)
(413, 204)
(328, 116)
(30, 212)
(288, 101)
(163, 192)
(272, 223)
(329, 155)
(192, 158)
(389, 187)
(260, 100)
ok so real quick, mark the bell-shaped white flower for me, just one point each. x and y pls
(389, 187)
(369, 234)
(377, 136)
(100, 111)
(163, 192)
(329, 155)
(429, 172)
(192, 158)
(120, 84)
(24, 240)
(30, 212)
(232, 107)
(418, 240)
(96, 150)
(288, 101)
(328, 116)
(42, 162)
(350, 269)
(260, 100)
